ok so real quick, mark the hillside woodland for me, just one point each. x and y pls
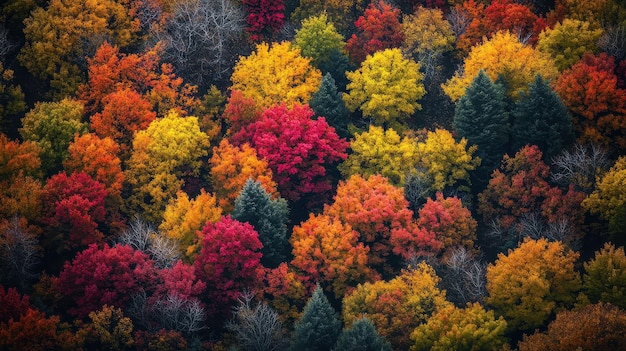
(312, 175)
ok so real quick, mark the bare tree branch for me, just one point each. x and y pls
(19, 254)
(580, 166)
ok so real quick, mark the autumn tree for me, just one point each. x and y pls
(98, 158)
(183, 218)
(604, 279)
(445, 161)
(52, 125)
(283, 290)
(168, 150)
(449, 221)
(549, 126)
(327, 102)
(569, 41)
(298, 150)
(201, 38)
(19, 158)
(329, 253)
(265, 18)
(385, 88)
(232, 166)
(12, 102)
(594, 327)
(532, 282)
(341, 13)
(384, 152)
(317, 38)
(378, 212)
(124, 112)
(108, 329)
(319, 326)
(275, 74)
(228, 262)
(379, 28)
(362, 336)
(520, 187)
(180, 280)
(517, 18)
(427, 36)
(453, 328)
(589, 89)
(14, 305)
(107, 276)
(481, 118)
(110, 71)
(38, 332)
(466, 20)
(517, 63)
(74, 211)
(19, 253)
(269, 218)
(397, 305)
(61, 34)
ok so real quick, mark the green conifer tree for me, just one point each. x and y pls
(541, 118)
(480, 117)
(268, 217)
(362, 337)
(337, 65)
(319, 326)
(327, 102)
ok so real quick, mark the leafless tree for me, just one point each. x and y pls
(141, 236)
(459, 20)
(200, 39)
(19, 254)
(580, 166)
(534, 226)
(465, 276)
(256, 326)
(172, 312)
(417, 188)
(5, 43)
(613, 41)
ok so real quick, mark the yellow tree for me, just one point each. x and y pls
(502, 55)
(59, 36)
(532, 282)
(568, 41)
(385, 88)
(276, 73)
(609, 195)
(446, 161)
(398, 305)
(184, 218)
(232, 166)
(381, 152)
(318, 38)
(170, 148)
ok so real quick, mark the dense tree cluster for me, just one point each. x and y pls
(312, 175)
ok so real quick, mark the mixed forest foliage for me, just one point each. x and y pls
(312, 175)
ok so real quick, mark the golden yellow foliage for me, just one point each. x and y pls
(609, 195)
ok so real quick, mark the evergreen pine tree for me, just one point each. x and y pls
(480, 117)
(268, 217)
(319, 326)
(541, 118)
(362, 337)
(327, 102)
(337, 65)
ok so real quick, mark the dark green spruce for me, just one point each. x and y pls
(268, 217)
(541, 118)
(319, 326)
(327, 102)
(362, 337)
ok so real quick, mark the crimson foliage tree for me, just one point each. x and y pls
(74, 208)
(180, 280)
(229, 262)
(298, 149)
(265, 17)
(107, 276)
(379, 28)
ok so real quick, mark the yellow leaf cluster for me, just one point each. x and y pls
(385, 88)
(427, 31)
(184, 217)
(609, 195)
(568, 41)
(381, 152)
(274, 74)
(502, 55)
(532, 282)
(446, 161)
